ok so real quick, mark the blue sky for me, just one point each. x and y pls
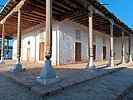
(123, 9)
(2, 2)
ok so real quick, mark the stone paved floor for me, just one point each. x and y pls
(12, 91)
(129, 96)
(105, 88)
(69, 74)
(29, 65)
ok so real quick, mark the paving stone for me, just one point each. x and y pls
(12, 91)
(108, 87)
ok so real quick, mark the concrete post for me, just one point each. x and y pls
(123, 49)
(18, 66)
(90, 64)
(130, 48)
(111, 62)
(3, 45)
(48, 74)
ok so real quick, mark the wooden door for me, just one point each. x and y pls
(28, 54)
(104, 52)
(94, 52)
(77, 51)
(41, 51)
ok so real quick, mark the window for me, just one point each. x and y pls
(42, 34)
(94, 38)
(78, 37)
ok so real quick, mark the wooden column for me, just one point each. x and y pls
(111, 63)
(48, 53)
(90, 64)
(123, 49)
(48, 74)
(18, 67)
(130, 48)
(19, 37)
(3, 44)
(7, 50)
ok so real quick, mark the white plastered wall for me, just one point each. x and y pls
(63, 45)
(118, 47)
(68, 38)
(34, 38)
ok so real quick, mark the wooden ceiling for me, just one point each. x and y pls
(34, 13)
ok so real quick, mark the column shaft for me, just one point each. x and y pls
(123, 49)
(48, 52)
(111, 45)
(19, 37)
(48, 74)
(7, 49)
(18, 67)
(90, 37)
(3, 41)
(90, 64)
(130, 48)
(3, 44)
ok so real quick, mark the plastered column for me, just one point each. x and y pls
(90, 64)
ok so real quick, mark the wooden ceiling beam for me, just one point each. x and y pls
(15, 9)
(82, 16)
(62, 5)
(68, 2)
(38, 11)
(80, 19)
(26, 18)
(72, 14)
(32, 18)
(33, 15)
(35, 5)
(54, 7)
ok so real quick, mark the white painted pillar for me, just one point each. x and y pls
(18, 66)
(3, 45)
(90, 64)
(48, 74)
(123, 49)
(111, 62)
(130, 48)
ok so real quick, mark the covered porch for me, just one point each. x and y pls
(19, 15)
